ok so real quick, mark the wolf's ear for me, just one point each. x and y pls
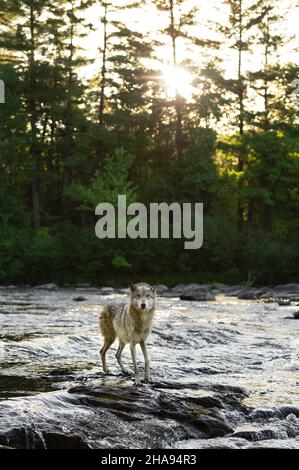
(132, 287)
(154, 289)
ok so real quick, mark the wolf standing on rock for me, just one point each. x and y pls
(130, 323)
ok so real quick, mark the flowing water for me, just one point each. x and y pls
(225, 374)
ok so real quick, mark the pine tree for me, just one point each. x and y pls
(239, 31)
(49, 74)
(261, 81)
(271, 81)
(30, 35)
(124, 83)
(106, 7)
(65, 136)
(179, 23)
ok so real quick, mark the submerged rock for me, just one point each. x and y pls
(283, 302)
(80, 298)
(281, 412)
(256, 435)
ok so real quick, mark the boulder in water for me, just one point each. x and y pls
(198, 294)
(80, 298)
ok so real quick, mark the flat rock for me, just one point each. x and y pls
(292, 288)
(252, 293)
(99, 416)
(286, 291)
(50, 286)
(105, 290)
(253, 435)
(182, 288)
(232, 290)
(123, 290)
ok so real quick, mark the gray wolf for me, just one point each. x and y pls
(131, 323)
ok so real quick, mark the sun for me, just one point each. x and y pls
(177, 80)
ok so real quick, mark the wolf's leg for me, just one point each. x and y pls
(106, 346)
(136, 371)
(108, 332)
(118, 357)
(146, 361)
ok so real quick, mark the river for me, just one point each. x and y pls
(225, 374)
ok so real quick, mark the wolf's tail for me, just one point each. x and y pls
(106, 324)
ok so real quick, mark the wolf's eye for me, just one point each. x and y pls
(147, 296)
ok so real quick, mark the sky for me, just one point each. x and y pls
(150, 21)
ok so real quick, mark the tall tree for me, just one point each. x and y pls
(30, 35)
(270, 42)
(110, 11)
(67, 62)
(179, 23)
(242, 19)
(104, 65)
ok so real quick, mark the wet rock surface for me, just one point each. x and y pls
(225, 373)
(198, 293)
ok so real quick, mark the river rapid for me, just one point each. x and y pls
(225, 374)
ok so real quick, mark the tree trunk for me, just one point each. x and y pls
(266, 91)
(240, 210)
(34, 150)
(68, 122)
(103, 70)
(102, 102)
(179, 139)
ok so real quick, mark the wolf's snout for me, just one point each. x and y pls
(143, 306)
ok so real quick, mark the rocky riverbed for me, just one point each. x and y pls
(224, 368)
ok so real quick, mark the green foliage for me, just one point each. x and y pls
(107, 184)
(119, 261)
(266, 259)
(66, 145)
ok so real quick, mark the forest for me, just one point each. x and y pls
(100, 102)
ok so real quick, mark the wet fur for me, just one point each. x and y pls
(130, 323)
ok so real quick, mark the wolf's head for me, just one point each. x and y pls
(143, 297)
